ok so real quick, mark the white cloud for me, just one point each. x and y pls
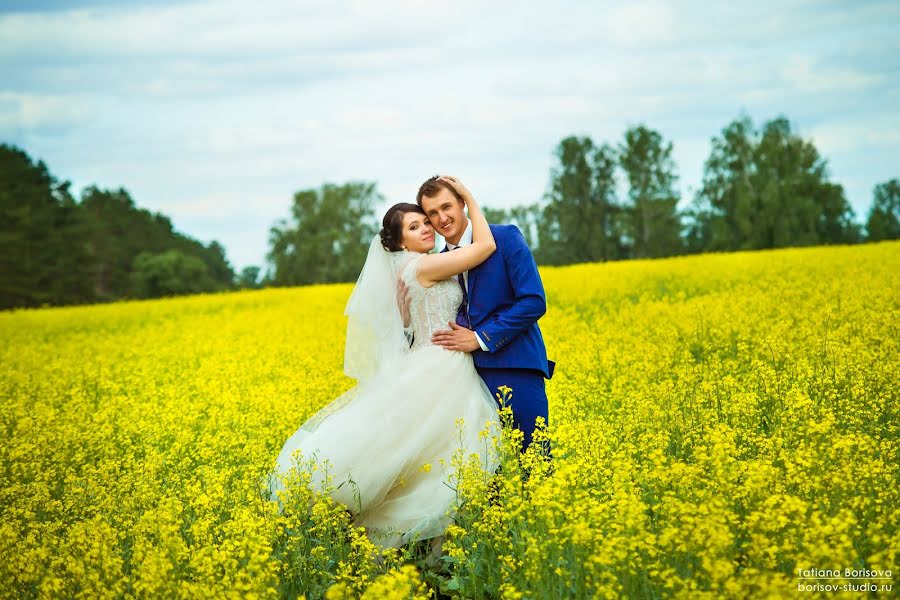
(877, 132)
(201, 109)
(47, 112)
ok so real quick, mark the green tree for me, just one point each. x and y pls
(767, 189)
(54, 250)
(220, 270)
(169, 273)
(654, 225)
(249, 277)
(884, 216)
(578, 223)
(722, 212)
(119, 231)
(112, 242)
(495, 216)
(527, 218)
(328, 237)
(43, 259)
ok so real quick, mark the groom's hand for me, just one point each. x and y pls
(458, 338)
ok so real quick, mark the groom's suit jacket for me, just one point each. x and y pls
(506, 299)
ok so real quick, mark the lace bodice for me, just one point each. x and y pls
(430, 308)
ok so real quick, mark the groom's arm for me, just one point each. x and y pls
(530, 302)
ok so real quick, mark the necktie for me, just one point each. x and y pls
(464, 307)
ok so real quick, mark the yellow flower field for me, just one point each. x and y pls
(719, 423)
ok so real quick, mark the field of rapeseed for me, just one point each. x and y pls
(719, 423)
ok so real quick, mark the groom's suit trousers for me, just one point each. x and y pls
(528, 400)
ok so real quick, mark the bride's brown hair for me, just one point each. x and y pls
(392, 225)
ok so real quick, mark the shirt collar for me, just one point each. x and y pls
(466, 238)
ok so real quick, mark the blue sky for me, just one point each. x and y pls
(215, 113)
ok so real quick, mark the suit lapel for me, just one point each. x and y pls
(473, 275)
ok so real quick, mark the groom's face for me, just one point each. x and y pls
(445, 211)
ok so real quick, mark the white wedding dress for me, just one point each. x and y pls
(378, 436)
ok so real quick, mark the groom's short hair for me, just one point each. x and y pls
(432, 187)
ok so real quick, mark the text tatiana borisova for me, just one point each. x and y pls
(883, 585)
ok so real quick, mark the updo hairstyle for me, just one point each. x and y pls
(392, 225)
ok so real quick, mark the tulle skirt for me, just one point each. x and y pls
(385, 441)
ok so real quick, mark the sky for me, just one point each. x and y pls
(215, 112)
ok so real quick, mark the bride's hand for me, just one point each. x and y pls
(403, 301)
(457, 185)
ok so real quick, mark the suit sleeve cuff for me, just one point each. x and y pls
(480, 343)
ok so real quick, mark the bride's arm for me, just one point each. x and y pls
(444, 265)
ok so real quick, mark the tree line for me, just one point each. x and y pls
(55, 250)
(762, 187)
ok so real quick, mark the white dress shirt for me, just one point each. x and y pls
(466, 240)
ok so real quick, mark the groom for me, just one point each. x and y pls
(503, 298)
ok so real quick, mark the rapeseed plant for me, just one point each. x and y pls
(717, 422)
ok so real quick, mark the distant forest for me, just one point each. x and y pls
(55, 250)
(762, 188)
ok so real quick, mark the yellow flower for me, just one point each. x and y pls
(716, 421)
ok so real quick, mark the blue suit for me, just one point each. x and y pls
(506, 299)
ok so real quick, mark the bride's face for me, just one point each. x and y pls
(418, 234)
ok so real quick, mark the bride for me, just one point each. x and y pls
(388, 442)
